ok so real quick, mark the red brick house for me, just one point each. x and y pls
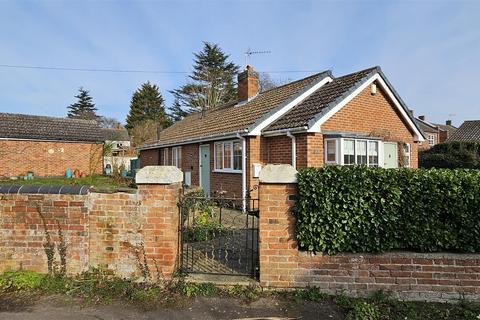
(48, 146)
(354, 119)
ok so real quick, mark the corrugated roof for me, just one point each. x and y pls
(30, 127)
(324, 98)
(236, 117)
(468, 131)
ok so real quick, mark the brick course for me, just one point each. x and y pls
(49, 158)
(118, 232)
(407, 275)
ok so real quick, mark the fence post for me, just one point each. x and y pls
(159, 189)
(278, 253)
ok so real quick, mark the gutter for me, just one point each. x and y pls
(244, 172)
(294, 149)
(281, 132)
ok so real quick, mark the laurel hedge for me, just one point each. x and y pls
(362, 209)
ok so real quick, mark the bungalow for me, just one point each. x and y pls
(358, 118)
(48, 146)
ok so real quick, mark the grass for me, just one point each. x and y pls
(97, 181)
(18, 290)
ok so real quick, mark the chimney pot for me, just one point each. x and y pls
(421, 118)
(248, 84)
(448, 122)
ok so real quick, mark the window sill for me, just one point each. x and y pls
(226, 171)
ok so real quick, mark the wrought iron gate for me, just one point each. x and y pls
(217, 236)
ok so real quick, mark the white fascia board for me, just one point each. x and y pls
(262, 123)
(316, 123)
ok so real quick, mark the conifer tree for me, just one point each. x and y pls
(147, 104)
(212, 82)
(176, 111)
(84, 108)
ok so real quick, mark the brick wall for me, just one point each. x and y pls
(373, 115)
(150, 157)
(118, 232)
(407, 275)
(49, 158)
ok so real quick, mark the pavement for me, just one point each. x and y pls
(59, 308)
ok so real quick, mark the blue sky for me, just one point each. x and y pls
(429, 50)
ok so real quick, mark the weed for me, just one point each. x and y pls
(191, 289)
(309, 294)
(20, 280)
(343, 301)
(363, 310)
(247, 293)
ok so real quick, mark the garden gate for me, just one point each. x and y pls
(217, 235)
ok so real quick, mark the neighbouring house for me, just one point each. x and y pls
(469, 131)
(434, 133)
(118, 149)
(446, 130)
(358, 118)
(48, 146)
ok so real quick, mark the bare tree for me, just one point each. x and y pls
(144, 132)
(267, 82)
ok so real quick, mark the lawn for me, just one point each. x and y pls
(97, 181)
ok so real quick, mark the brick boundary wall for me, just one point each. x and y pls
(407, 275)
(128, 234)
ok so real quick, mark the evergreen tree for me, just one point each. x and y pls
(147, 104)
(84, 108)
(176, 111)
(212, 82)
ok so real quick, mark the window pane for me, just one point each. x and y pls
(227, 155)
(348, 152)
(373, 153)
(218, 155)
(237, 156)
(331, 146)
(361, 152)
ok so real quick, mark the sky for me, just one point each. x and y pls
(429, 50)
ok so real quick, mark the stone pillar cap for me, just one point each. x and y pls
(278, 173)
(159, 175)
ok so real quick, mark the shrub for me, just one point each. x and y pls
(361, 209)
(452, 155)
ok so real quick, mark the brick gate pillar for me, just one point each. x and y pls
(278, 253)
(159, 189)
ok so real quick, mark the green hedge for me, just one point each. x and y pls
(452, 155)
(361, 209)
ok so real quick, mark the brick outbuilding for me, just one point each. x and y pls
(48, 146)
(356, 119)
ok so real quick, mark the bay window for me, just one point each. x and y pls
(228, 156)
(349, 151)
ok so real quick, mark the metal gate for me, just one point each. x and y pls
(217, 236)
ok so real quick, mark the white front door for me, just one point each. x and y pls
(390, 155)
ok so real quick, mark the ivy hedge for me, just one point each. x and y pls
(362, 209)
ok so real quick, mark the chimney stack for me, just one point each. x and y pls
(421, 118)
(248, 84)
(448, 122)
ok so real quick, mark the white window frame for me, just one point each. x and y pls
(177, 157)
(165, 157)
(407, 153)
(431, 139)
(339, 155)
(216, 161)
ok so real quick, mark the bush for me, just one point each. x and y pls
(361, 209)
(363, 311)
(452, 155)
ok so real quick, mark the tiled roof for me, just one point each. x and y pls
(425, 126)
(324, 98)
(113, 134)
(446, 127)
(236, 117)
(468, 131)
(29, 127)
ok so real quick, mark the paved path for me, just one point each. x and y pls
(51, 308)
